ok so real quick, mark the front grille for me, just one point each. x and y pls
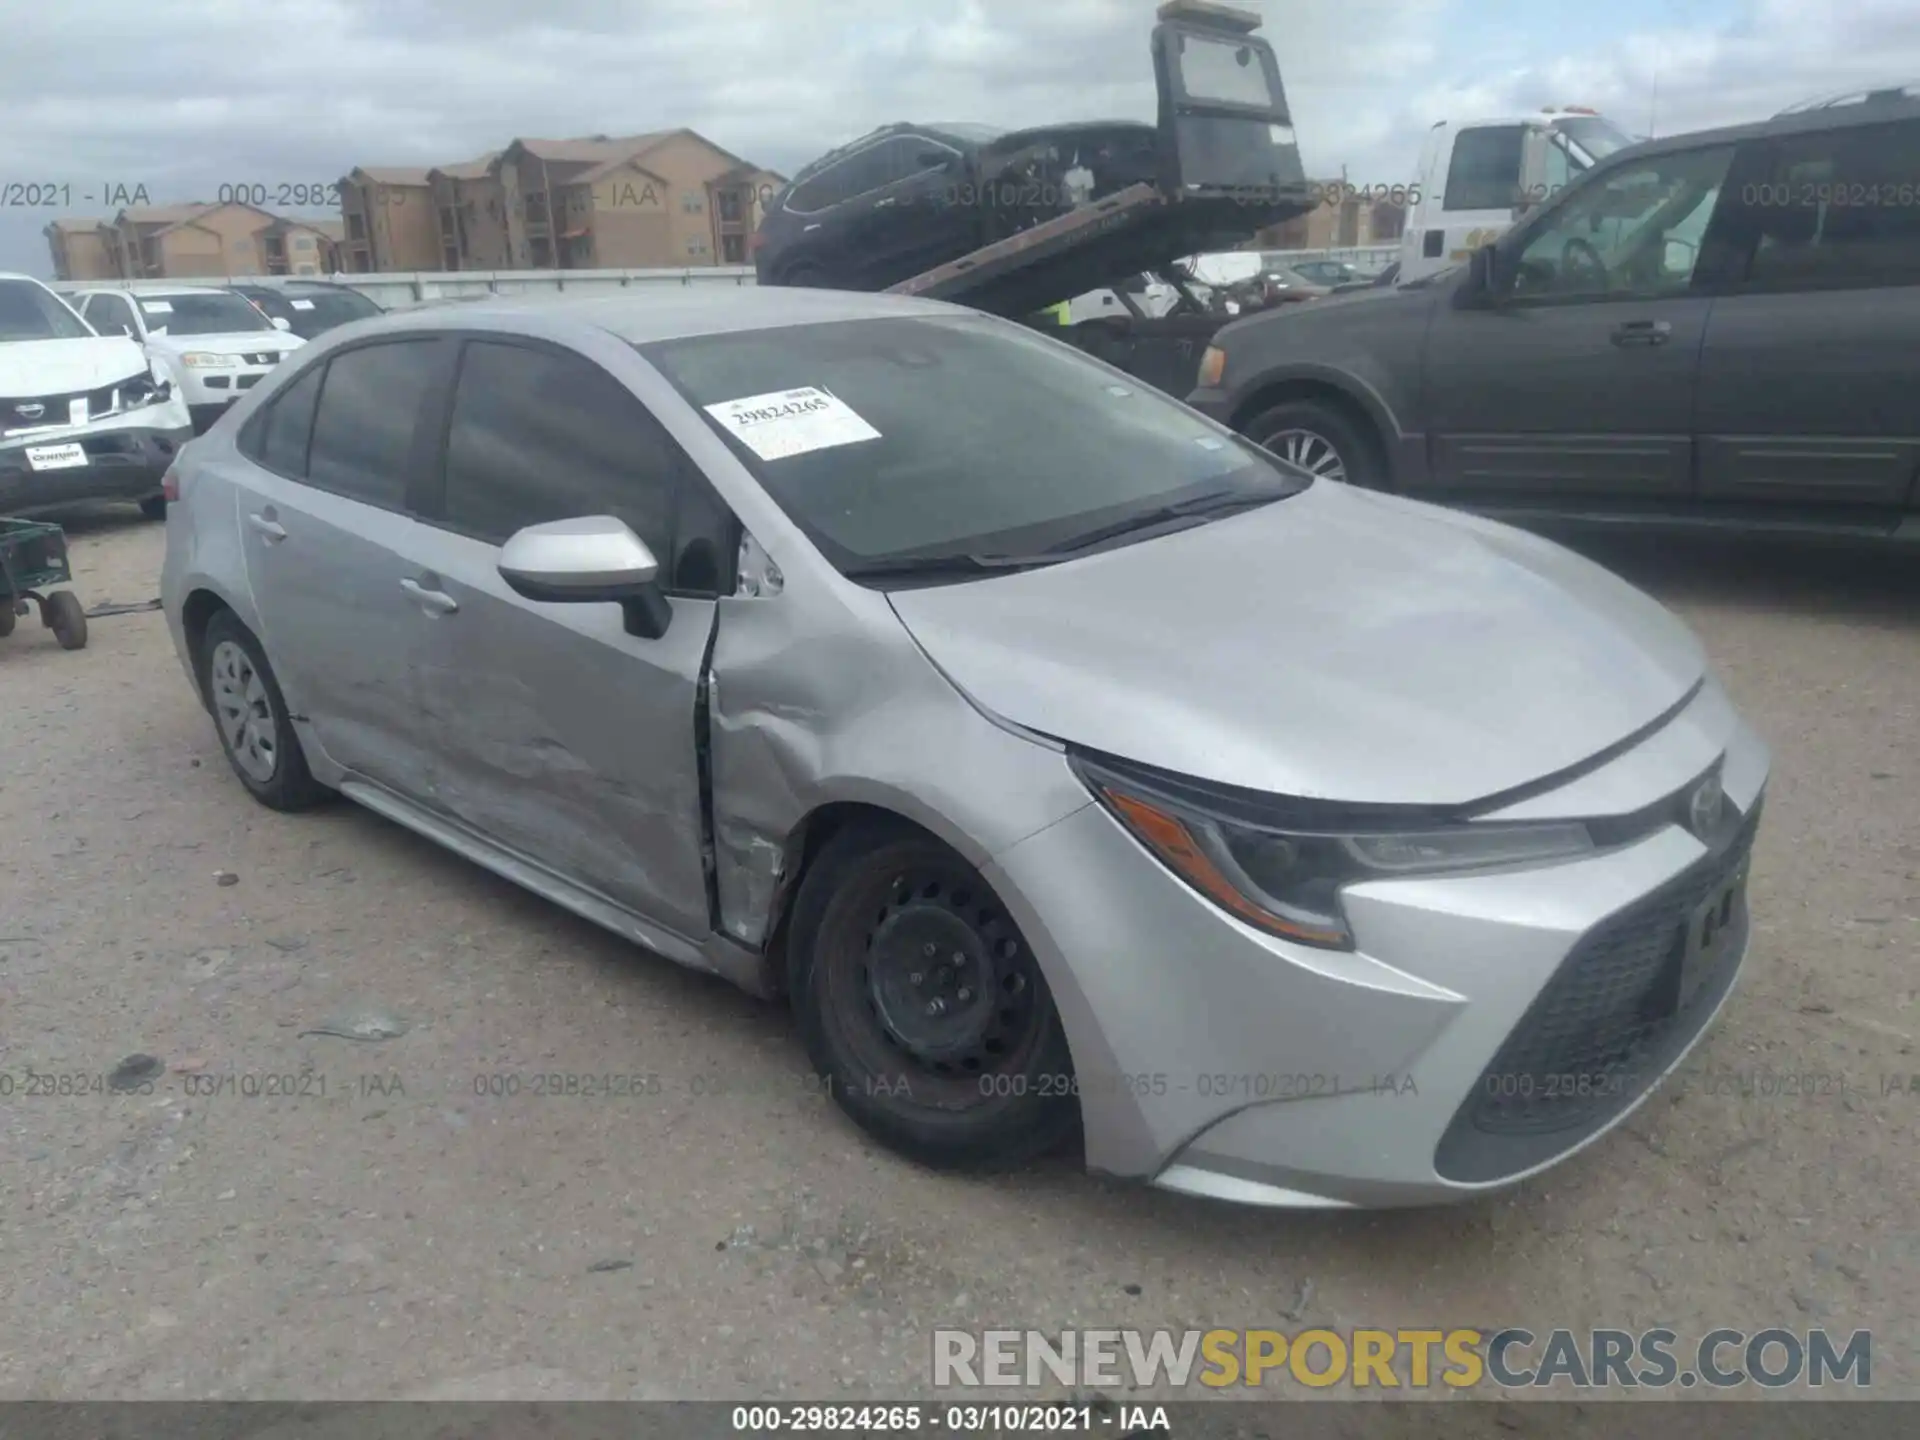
(20, 413)
(1599, 1034)
(247, 382)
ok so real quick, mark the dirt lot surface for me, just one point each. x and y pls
(389, 1231)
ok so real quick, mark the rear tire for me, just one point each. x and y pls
(806, 277)
(7, 618)
(154, 507)
(63, 614)
(921, 1005)
(1318, 437)
(250, 716)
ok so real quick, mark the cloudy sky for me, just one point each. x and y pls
(183, 96)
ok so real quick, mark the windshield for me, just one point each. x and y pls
(32, 312)
(1594, 137)
(221, 313)
(919, 437)
(308, 313)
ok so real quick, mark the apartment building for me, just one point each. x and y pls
(667, 198)
(197, 240)
(386, 220)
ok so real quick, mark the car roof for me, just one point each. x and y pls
(647, 314)
(156, 292)
(1866, 107)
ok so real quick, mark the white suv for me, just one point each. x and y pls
(216, 344)
(83, 416)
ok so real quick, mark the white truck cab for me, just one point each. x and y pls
(1477, 177)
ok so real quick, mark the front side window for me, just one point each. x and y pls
(1484, 173)
(30, 311)
(1637, 231)
(370, 401)
(539, 436)
(912, 438)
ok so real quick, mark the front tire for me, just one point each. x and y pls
(922, 1007)
(250, 716)
(1320, 438)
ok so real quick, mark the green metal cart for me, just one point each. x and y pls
(33, 558)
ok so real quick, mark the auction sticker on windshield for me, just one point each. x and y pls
(791, 422)
(157, 307)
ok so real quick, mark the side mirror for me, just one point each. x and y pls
(280, 322)
(592, 560)
(1677, 257)
(1485, 278)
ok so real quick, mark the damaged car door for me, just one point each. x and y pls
(566, 739)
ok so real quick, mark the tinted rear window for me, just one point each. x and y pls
(363, 434)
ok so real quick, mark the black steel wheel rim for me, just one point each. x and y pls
(932, 984)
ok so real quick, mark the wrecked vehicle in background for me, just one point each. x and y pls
(1016, 223)
(908, 197)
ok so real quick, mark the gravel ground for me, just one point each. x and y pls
(732, 1235)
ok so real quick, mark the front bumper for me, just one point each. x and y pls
(126, 460)
(1214, 1059)
(211, 393)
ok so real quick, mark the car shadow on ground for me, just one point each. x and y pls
(95, 520)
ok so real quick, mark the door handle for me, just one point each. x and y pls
(267, 528)
(1642, 332)
(434, 602)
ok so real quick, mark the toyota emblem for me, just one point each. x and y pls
(1704, 807)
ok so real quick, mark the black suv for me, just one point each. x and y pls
(1710, 329)
(309, 306)
(908, 197)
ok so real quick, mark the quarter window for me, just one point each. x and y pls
(288, 426)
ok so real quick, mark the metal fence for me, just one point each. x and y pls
(404, 291)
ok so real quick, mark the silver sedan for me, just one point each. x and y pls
(1075, 769)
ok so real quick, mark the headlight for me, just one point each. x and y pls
(1287, 879)
(206, 360)
(148, 389)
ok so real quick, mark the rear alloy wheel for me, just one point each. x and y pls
(251, 718)
(922, 1007)
(1318, 438)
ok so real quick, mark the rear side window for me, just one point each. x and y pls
(288, 427)
(370, 402)
(1484, 173)
(866, 169)
(1839, 208)
(539, 436)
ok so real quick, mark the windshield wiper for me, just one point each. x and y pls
(1215, 502)
(954, 564)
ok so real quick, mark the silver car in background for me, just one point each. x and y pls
(1069, 762)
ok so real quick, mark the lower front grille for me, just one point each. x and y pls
(1604, 1028)
(32, 412)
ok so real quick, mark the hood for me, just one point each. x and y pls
(60, 367)
(1338, 645)
(252, 342)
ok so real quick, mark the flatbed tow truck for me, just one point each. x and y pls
(1229, 166)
